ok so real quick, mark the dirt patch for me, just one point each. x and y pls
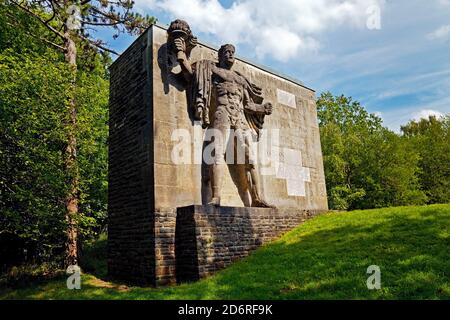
(104, 284)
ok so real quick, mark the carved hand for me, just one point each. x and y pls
(179, 44)
(268, 108)
(199, 111)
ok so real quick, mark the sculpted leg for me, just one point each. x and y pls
(217, 174)
(255, 189)
(221, 136)
(252, 173)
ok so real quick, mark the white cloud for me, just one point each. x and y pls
(442, 33)
(394, 119)
(281, 29)
(426, 113)
(396, 71)
(427, 82)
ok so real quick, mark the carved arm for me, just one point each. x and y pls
(186, 68)
(249, 105)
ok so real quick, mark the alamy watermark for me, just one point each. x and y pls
(74, 19)
(373, 21)
(230, 146)
(74, 279)
(374, 280)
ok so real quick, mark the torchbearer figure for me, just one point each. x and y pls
(223, 99)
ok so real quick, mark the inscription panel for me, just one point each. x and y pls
(286, 98)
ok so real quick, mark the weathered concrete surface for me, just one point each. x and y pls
(294, 115)
(210, 238)
(147, 103)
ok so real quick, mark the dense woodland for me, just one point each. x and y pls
(366, 164)
(369, 166)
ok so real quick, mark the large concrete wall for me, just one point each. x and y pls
(131, 247)
(297, 182)
(146, 230)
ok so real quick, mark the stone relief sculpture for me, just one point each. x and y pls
(164, 88)
(179, 30)
(222, 99)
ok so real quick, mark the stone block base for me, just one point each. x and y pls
(189, 243)
(200, 240)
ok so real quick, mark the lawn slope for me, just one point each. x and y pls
(325, 258)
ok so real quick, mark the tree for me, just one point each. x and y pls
(33, 91)
(33, 95)
(366, 165)
(431, 139)
(343, 123)
(68, 24)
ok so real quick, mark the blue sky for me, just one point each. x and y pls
(399, 69)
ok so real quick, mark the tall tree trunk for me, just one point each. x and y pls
(71, 156)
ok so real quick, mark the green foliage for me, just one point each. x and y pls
(14, 34)
(21, 276)
(94, 257)
(34, 89)
(325, 258)
(431, 138)
(366, 165)
(92, 134)
(32, 98)
(28, 26)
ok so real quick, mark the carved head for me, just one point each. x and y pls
(180, 29)
(226, 56)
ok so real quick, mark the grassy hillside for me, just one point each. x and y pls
(325, 258)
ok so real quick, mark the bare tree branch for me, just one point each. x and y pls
(25, 8)
(53, 13)
(102, 23)
(16, 24)
(98, 45)
(51, 43)
(112, 16)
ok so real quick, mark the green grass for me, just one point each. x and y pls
(325, 258)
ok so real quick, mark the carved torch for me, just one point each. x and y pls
(180, 39)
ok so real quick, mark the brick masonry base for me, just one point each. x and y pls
(196, 241)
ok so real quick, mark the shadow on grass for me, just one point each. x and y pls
(329, 259)
(326, 258)
(94, 259)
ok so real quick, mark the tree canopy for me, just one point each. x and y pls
(35, 87)
(369, 166)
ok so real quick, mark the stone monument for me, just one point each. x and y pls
(210, 156)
